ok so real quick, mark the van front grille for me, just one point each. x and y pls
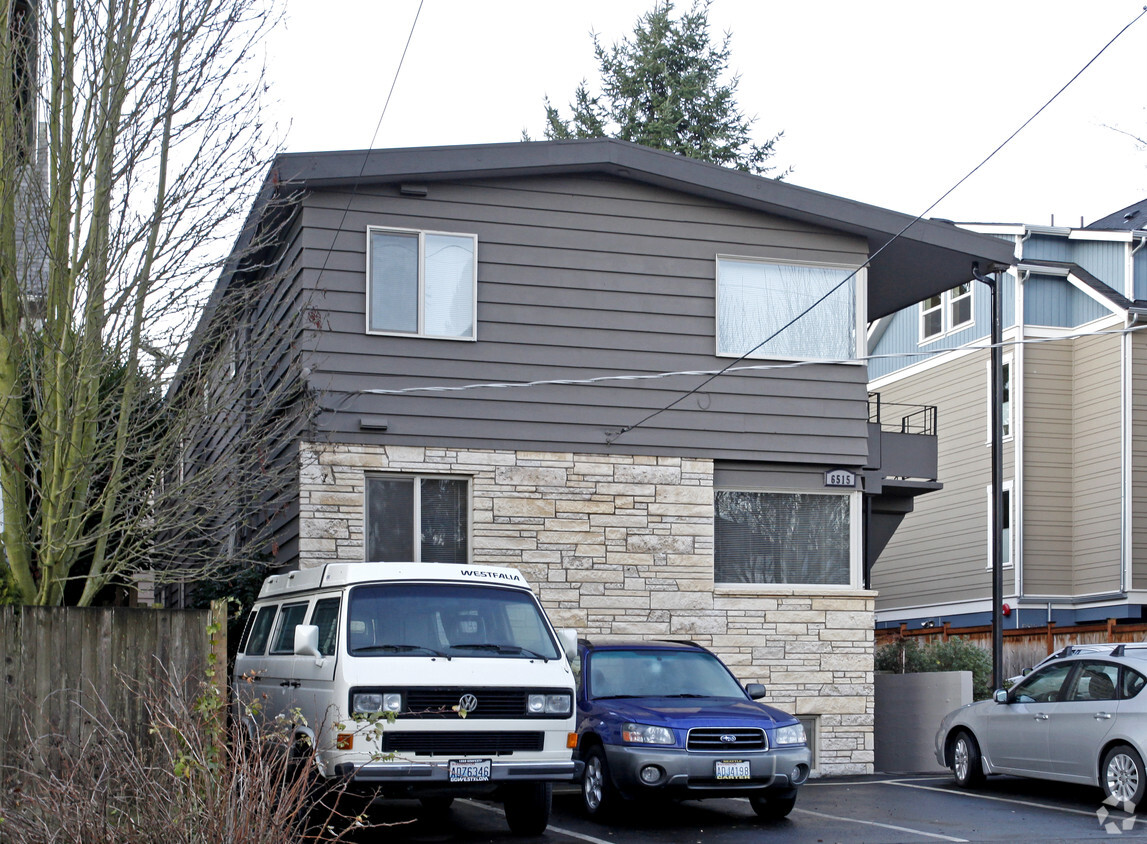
(461, 744)
(440, 703)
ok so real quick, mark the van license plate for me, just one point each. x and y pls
(733, 770)
(469, 770)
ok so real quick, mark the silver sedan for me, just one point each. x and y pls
(1080, 718)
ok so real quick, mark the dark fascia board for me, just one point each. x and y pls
(926, 257)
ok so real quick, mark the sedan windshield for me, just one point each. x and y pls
(659, 673)
(448, 620)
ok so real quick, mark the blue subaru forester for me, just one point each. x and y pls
(663, 718)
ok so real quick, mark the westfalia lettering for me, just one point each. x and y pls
(497, 575)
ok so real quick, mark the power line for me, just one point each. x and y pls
(653, 376)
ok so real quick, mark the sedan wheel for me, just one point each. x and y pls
(1124, 779)
(966, 765)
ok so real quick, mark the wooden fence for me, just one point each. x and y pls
(1025, 646)
(66, 668)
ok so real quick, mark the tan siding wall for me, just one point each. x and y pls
(1047, 494)
(940, 551)
(1096, 454)
(1139, 460)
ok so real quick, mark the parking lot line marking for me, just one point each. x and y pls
(993, 797)
(893, 827)
(568, 833)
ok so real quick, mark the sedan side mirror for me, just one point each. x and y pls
(1000, 695)
(756, 691)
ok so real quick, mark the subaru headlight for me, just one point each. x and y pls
(792, 734)
(549, 704)
(646, 734)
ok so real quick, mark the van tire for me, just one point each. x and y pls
(436, 805)
(527, 807)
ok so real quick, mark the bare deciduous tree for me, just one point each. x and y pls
(112, 213)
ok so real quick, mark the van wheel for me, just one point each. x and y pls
(598, 795)
(528, 807)
(436, 805)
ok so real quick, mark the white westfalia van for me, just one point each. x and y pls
(421, 680)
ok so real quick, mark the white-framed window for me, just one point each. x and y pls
(785, 538)
(1005, 528)
(771, 309)
(1006, 407)
(418, 518)
(421, 283)
(946, 312)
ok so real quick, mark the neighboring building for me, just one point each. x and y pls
(640, 494)
(1075, 446)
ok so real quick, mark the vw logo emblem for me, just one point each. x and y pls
(468, 702)
(728, 738)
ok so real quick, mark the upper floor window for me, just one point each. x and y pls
(811, 309)
(422, 283)
(946, 311)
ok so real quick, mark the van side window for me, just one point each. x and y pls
(291, 617)
(258, 631)
(325, 616)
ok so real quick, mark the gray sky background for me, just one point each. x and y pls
(885, 102)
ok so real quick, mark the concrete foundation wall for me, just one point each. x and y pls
(908, 712)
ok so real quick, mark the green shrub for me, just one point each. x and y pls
(906, 656)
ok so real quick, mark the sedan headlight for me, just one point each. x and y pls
(549, 704)
(365, 703)
(646, 734)
(792, 734)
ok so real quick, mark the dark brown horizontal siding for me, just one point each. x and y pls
(577, 278)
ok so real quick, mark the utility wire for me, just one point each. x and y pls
(612, 439)
(653, 376)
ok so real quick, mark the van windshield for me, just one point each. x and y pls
(446, 619)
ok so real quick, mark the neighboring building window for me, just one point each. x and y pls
(1005, 527)
(782, 538)
(418, 519)
(1006, 406)
(812, 310)
(946, 311)
(421, 283)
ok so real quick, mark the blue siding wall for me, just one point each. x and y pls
(1058, 303)
(1140, 270)
(1044, 248)
(1105, 261)
(902, 338)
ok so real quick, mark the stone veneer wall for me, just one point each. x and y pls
(620, 545)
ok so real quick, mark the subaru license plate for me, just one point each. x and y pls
(469, 770)
(733, 770)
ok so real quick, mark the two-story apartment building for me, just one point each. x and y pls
(1074, 450)
(637, 377)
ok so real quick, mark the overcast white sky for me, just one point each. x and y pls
(883, 101)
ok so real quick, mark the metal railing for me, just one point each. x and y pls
(906, 418)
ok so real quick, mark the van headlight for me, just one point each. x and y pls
(792, 734)
(549, 704)
(366, 703)
(646, 734)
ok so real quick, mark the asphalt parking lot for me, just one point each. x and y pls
(909, 808)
